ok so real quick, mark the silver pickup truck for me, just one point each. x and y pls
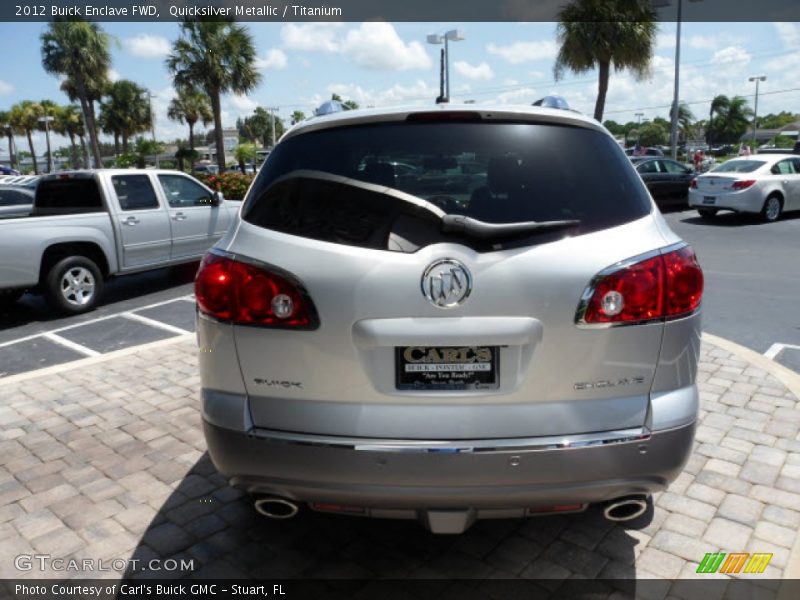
(88, 226)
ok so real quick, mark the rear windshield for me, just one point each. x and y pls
(492, 172)
(67, 196)
(739, 166)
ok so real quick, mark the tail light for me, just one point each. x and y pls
(693, 185)
(246, 294)
(667, 285)
(742, 184)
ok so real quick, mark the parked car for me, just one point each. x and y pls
(667, 180)
(761, 184)
(88, 226)
(15, 201)
(367, 352)
(644, 151)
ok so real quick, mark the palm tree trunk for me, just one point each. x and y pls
(11, 157)
(116, 143)
(124, 143)
(191, 145)
(87, 106)
(602, 90)
(220, 143)
(84, 153)
(73, 151)
(33, 152)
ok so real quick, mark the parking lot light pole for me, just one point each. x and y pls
(47, 120)
(454, 35)
(638, 126)
(757, 79)
(150, 97)
(673, 130)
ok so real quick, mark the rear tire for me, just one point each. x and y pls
(707, 213)
(73, 285)
(773, 206)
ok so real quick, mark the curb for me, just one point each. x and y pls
(92, 360)
(792, 381)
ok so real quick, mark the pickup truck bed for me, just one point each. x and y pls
(87, 226)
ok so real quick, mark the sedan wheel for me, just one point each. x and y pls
(772, 209)
(707, 213)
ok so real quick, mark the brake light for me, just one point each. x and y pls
(230, 290)
(445, 115)
(667, 285)
(742, 184)
(693, 185)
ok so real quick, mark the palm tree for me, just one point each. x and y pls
(24, 117)
(730, 118)
(685, 119)
(218, 57)
(80, 51)
(125, 111)
(8, 131)
(190, 106)
(298, 116)
(601, 33)
(68, 123)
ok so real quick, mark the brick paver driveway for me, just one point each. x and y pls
(107, 461)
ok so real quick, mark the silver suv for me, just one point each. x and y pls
(504, 327)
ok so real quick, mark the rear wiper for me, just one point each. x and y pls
(483, 230)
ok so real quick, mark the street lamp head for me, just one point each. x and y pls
(759, 78)
(435, 38)
(455, 35)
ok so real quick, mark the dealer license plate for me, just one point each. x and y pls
(709, 199)
(446, 367)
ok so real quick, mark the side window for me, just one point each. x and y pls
(648, 166)
(14, 198)
(182, 192)
(134, 192)
(785, 167)
(674, 168)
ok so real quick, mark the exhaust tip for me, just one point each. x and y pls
(625, 509)
(276, 508)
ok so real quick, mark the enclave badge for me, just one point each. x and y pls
(446, 283)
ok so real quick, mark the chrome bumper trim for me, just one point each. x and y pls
(584, 440)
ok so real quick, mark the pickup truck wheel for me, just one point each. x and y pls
(73, 285)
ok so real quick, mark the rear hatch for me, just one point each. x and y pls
(426, 324)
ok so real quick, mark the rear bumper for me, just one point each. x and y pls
(750, 200)
(385, 476)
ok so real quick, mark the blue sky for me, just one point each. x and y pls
(384, 64)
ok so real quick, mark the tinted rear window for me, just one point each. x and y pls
(493, 172)
(67, 196)
(739, 166)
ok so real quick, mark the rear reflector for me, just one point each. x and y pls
(245, 294)
(667, 285)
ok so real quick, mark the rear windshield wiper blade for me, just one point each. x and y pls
(483, 230)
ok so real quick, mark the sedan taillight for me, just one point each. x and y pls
(693, 185)
(246, 294)
(667, 285)
(742, 184)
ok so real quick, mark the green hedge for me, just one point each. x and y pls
(232, 185)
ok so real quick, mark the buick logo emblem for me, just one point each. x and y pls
(446, 283)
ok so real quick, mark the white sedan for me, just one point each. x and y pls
(765, 184)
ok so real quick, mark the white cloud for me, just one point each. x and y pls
(243, 103)
(524, 95)
(665, 40)
(145, 45)
(274, 59)
(732, 55)
(520, 52)
(789, 34)
(114, 75)
(373, 45)
(376, 45)
(311, 36)
(477, 72)
(5, 88)
(418, 92)
(784, 64)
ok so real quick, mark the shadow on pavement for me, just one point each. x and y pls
(206, 521)
(32, 308)
(731, 219)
